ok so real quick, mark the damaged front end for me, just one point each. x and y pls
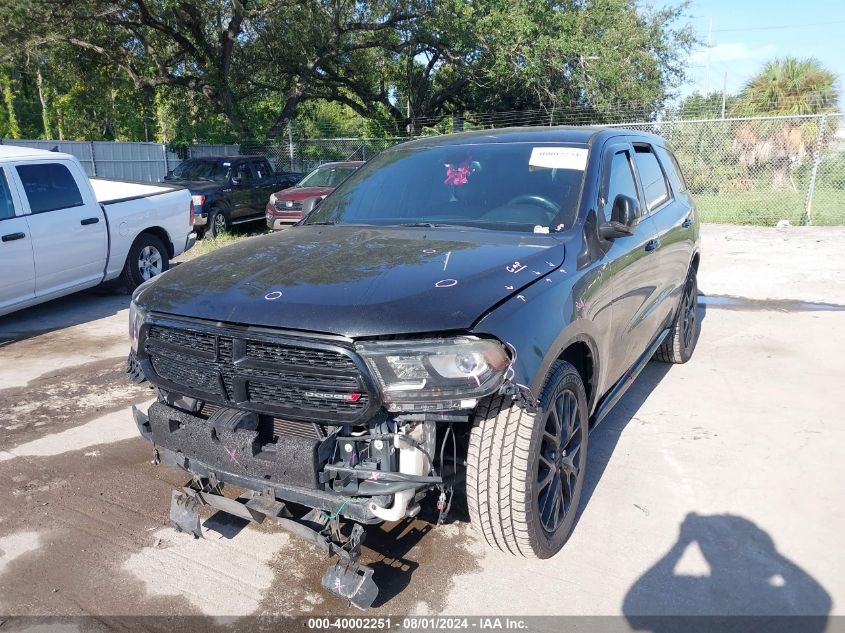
(320, 430)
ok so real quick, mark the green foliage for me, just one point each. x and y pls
(226, 70)
(789, 86)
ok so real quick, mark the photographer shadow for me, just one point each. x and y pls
(740, 583)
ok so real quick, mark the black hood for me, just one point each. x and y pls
(356, 280)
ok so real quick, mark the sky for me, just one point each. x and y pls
(748, 33)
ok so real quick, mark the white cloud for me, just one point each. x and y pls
(731, 52)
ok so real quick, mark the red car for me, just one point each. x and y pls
(291, 205)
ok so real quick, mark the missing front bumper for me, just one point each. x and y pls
(347, 578)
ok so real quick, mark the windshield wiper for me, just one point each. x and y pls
(326, 223)
(428, 225)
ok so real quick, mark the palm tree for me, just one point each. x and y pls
(785, 87)
(789, 86)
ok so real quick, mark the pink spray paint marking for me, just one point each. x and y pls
(232, 455)
(457, 175)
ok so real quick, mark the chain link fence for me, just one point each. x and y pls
(304, 155)
(761, 170)
(752, 170)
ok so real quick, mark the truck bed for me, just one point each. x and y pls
(111, 191)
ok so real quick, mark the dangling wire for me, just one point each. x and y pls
(447, 490)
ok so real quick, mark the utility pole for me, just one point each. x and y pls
(807, 218)
(724, 92)
(707, 65)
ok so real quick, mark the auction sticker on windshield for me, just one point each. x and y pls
(558, 158)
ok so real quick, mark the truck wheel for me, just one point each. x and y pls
(218, 223)
(525, 471)
(147, 259)
(679, 344)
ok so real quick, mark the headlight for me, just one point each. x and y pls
(198, 200)
(136, 320)
(272, 199)
(436, 374)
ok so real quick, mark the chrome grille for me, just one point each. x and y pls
(230, 367)
(281, 206)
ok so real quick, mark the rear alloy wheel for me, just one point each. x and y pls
(525, 471)
(679, 344)
(147, 258)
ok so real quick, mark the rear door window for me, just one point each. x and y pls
(262, 169)
(245, 173)
(7, 207)
(652, 177)
(49, 187)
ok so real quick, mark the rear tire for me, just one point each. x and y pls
(147, 258)
(518, 473)
(679, 344)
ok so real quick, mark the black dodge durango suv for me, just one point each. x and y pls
(456, 316)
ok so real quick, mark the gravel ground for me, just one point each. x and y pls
(713, 487)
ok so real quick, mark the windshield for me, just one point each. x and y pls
(505, 186)
(199, 169)
(326, 177)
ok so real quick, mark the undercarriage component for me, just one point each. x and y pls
(347, 578)
(415, 451)
(183, 513)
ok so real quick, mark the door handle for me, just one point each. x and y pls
(652, 245)
(11, 237)
(88, 221)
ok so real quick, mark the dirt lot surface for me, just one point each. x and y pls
(713, 487)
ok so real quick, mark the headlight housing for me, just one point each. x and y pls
(436, 374)
(137, 315)
(272, 199)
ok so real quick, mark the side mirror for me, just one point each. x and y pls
(623, 218)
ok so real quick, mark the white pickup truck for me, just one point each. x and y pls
(61, 232)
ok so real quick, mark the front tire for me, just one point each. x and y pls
(679, 344)
(218, 223)
(147, 258)
(525, 471)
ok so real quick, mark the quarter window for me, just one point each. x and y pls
(49, 187)
(7, 208)
(673, 169)
(651, 174)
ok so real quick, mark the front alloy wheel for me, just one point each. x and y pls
(219, 224)
(525, 470)
(559, 461)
